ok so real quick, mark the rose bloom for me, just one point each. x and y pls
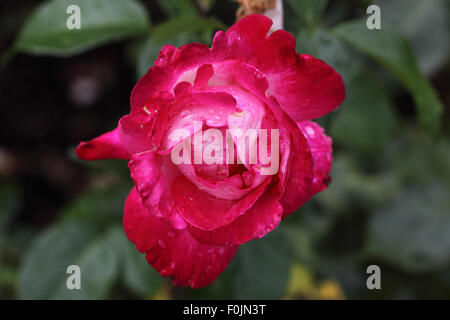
(189, 219)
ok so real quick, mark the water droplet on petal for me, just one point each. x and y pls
(171, 234)
(162, 244)
(185, 113)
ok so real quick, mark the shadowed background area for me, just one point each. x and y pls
(388, 203)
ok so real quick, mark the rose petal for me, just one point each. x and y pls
(261, 218)
(153, 174)
(253, 27)
(168, 68)
(106, 146)
(321, 150)
(305, 87)
(299, 174)
(308, 88)
(174, 253)
(207, 212)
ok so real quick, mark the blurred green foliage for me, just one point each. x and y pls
(388, 203)
(45, 32)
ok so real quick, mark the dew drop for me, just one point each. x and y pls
(162, 244)
(185, 113)
(171, 234)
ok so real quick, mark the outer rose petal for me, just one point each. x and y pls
(173, 252)
(106, 146)
(305, 87)
(207, 212)
(308, 89)
(321, 150)
(253, 27)
(169, 66)
(134, 137)
(261, 218)
(153, 176)
(299, 171)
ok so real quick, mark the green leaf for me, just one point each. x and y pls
(99, 265)
(392, 50)
(412, 231)
(426, 24)
(9, 199)
(263, 267)
(43, 268)
(46, 32)
(301, 243)
(361, 125)
(138, 275)
(352, 186)
(103, 259)
(174, 8)
(182, 25)
(98, 206)
(309, 10)
(416, 160)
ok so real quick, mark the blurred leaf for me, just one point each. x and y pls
(392, 50)
(426, 24)
(102, 259)
(416, 160)
(350, 186)
(146, 57)
(99, 265)
(7, 277)
(412, 231)
(172, 28)
(263, 268)
(98, 206)
(9, 199)
(338, 11)
(45, 32)
(301, 243)
(138, 275)
(43, 267)
(174, 8)
(310, 11)
(365, 121)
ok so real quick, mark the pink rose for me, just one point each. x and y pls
(190, 218)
